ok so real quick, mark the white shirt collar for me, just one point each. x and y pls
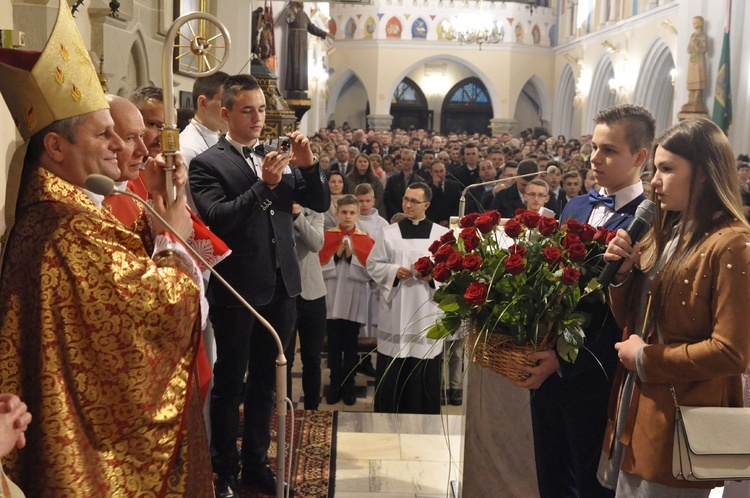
(626, 195)
(238, 145)
(95, 198)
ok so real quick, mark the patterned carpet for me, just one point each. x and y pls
(313, 466)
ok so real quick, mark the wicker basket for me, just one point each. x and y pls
(500, 354)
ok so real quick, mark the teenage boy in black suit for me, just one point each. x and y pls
(246, 194)
(569, 400)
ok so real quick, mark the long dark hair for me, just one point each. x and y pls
(706, 148)
(369, 175)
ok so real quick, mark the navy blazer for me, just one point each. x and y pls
(602, 333)
(254, 221)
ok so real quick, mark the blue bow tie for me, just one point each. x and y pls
(595, 198)
(259, 149)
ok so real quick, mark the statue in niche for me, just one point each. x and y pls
(696, 72)
(299, 24)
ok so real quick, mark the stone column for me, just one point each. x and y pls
(501, 125)
(379, 122)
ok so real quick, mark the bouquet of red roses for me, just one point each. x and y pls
(524, 279)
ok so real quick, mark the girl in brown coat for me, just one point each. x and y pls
(682, 297)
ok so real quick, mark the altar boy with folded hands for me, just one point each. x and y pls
(343, 260)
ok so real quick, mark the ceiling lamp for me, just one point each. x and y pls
(475, 27)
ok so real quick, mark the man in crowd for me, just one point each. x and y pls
(569, 400)
(445, 196)
(396, 185)
(536, 195)
(468, 173)
(150, 101)
(342, 160)
(246, 196)
(408, 366)
(511, 198)
(571, 183)
(92, 324)
(479, 198)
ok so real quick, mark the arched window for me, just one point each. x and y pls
(467, 107)
(409, 107)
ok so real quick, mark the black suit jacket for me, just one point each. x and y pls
(395, 188)
(337, 167)
(444, 203)
(254, 221)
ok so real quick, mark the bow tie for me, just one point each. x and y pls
(595, 198)
(259, 149)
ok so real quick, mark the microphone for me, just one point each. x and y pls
(103, 185)
(551, 170)
(644, 217)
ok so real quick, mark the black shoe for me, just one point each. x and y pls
(262, 478)
(457, 398)
(226, 487)
(334, 395)
(366, 368)
(349, 398)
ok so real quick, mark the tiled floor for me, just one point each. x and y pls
(387, 455)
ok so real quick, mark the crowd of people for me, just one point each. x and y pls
(125, 364)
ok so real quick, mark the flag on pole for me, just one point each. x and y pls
(722, 114)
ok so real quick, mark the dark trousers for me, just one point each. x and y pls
(342, 352)
(243, 344)
(568, 417)
(311, 328)
(408, 385)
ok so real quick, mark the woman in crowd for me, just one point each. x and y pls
(389, 164)
(337, 186)
(682, 297)
(364, 173)
(324, 161)
(374, 147)
(377, 166)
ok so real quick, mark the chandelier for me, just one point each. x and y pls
(475, 27)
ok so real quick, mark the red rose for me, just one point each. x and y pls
(518, 214)
(441, 272)
(472, 262)
(600, 237)
(577, 252)
(574, 226)
(476, 293)
(448, 237)
(611, 234)
(570, 239)
(513, 228)
(485, 223)
(570, 276)
(434, 247)
(471, 241)
(551, 255)
(443, 253)
(547, 226)
(531, 219)
(514, 264)
(516, 249)
(496, 216)
(424, 265)
(469, 220)
(587, 233)
(455, 262)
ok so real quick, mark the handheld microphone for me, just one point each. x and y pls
(103, 185)
(551, 170)
(644, 217)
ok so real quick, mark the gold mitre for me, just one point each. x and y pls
(58, 83)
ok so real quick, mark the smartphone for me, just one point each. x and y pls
(282, 144)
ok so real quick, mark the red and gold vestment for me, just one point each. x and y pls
(100, 341)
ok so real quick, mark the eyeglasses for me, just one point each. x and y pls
(408, 200)
(536, 196)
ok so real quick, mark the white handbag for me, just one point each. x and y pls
(710, 443)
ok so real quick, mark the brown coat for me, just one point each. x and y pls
(706, 348)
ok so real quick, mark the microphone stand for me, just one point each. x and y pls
(462, 202)
(96, 183)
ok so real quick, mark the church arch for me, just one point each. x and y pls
(654, 89)
(565, 103)
(600, 96)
